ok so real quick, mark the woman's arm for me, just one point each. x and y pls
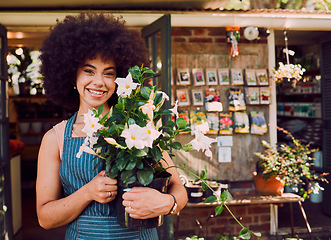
(52, 210)
(144, 202)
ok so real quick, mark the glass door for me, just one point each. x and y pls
(157, 36)
(6, 229)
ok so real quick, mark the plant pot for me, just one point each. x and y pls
(123, 217)
(271, 186)
(194, 193)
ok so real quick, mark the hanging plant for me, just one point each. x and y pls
(288, 72)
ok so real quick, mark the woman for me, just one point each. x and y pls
(81, 59)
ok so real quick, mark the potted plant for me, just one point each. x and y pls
(133, 136)
(288, 164)
(288, 73)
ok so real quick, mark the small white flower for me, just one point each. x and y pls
(148, 109)
(112, 141)
(125, 86)
(134, 136)
(174, 110)
(92, 124)
(164, 95)
(202, 142)
(150, 134)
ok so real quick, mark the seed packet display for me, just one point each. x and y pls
(237, 77)
(241, 122)
(213, 122)
(258, 123)
(197, 117)
(197, 97)
(236, 100)
(211, 76)
(212, 100)
(250, 77)
(224, 76)
(265, 95)
(226, 123)
(252, 95)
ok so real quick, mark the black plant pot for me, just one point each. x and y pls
(123, 217)
(194, 193)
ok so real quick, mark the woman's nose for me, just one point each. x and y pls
(98, 79)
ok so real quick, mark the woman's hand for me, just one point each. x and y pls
(144, 202)
(101, 188)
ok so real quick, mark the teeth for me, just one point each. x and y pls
(95, 92)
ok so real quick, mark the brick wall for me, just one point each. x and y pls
(254, 217)
(207, 35)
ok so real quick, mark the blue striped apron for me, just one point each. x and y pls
(97, 221)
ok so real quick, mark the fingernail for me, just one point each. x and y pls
(126, 189)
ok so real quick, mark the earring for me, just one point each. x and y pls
(75, 87)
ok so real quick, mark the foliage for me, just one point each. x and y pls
(132, 139)
(291, 163)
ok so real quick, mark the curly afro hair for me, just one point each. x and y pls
(86, 36)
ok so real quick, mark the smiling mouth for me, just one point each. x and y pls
(96, 92)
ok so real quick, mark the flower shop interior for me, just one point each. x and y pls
(221, 72)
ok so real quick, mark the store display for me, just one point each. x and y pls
(241, 122)
(262, 77)
(258, 123)
(212, 100)
(236, 100)
(237, 77)
(198, 77)
(250, 77)
(197, 117)
(183, 77)
(252, 95)
(183, 97)
(197, 97)
(211, 76)
(226, 123)
(265, 95)
(224, 76)
(213, 122)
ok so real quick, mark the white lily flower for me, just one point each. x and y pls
(150, 134)
(134, 136)
(125, 86)
(89, 150)
(81, 149)
(202, 142)
(92, 124)
(174, 110)
(164, 95)
(112, 141)
(148, 109)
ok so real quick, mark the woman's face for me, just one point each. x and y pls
(95, 83)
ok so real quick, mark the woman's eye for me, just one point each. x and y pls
(109, 74)
(89, 71)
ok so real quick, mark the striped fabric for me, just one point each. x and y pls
(97, 221)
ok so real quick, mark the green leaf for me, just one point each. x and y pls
(158, 98)
(131, 121)
(258, 234)
(145, 92)
(156, 152)
(131, 180)
(145, 177)
(219, 209)
(100, 109)
(114, 172)
(244, 234)
(121, 164)
(140, 165)
(164, 112)
(204, 186)
(139, 152)
(131, 165)
(181, 122)
(226, 196)
(210, 199)
(176, 145)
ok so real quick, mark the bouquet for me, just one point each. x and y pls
(132, 138)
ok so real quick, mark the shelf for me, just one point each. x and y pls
(299, 117)
(300, 94)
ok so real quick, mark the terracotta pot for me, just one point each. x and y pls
(123, 217)
(271, 186)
